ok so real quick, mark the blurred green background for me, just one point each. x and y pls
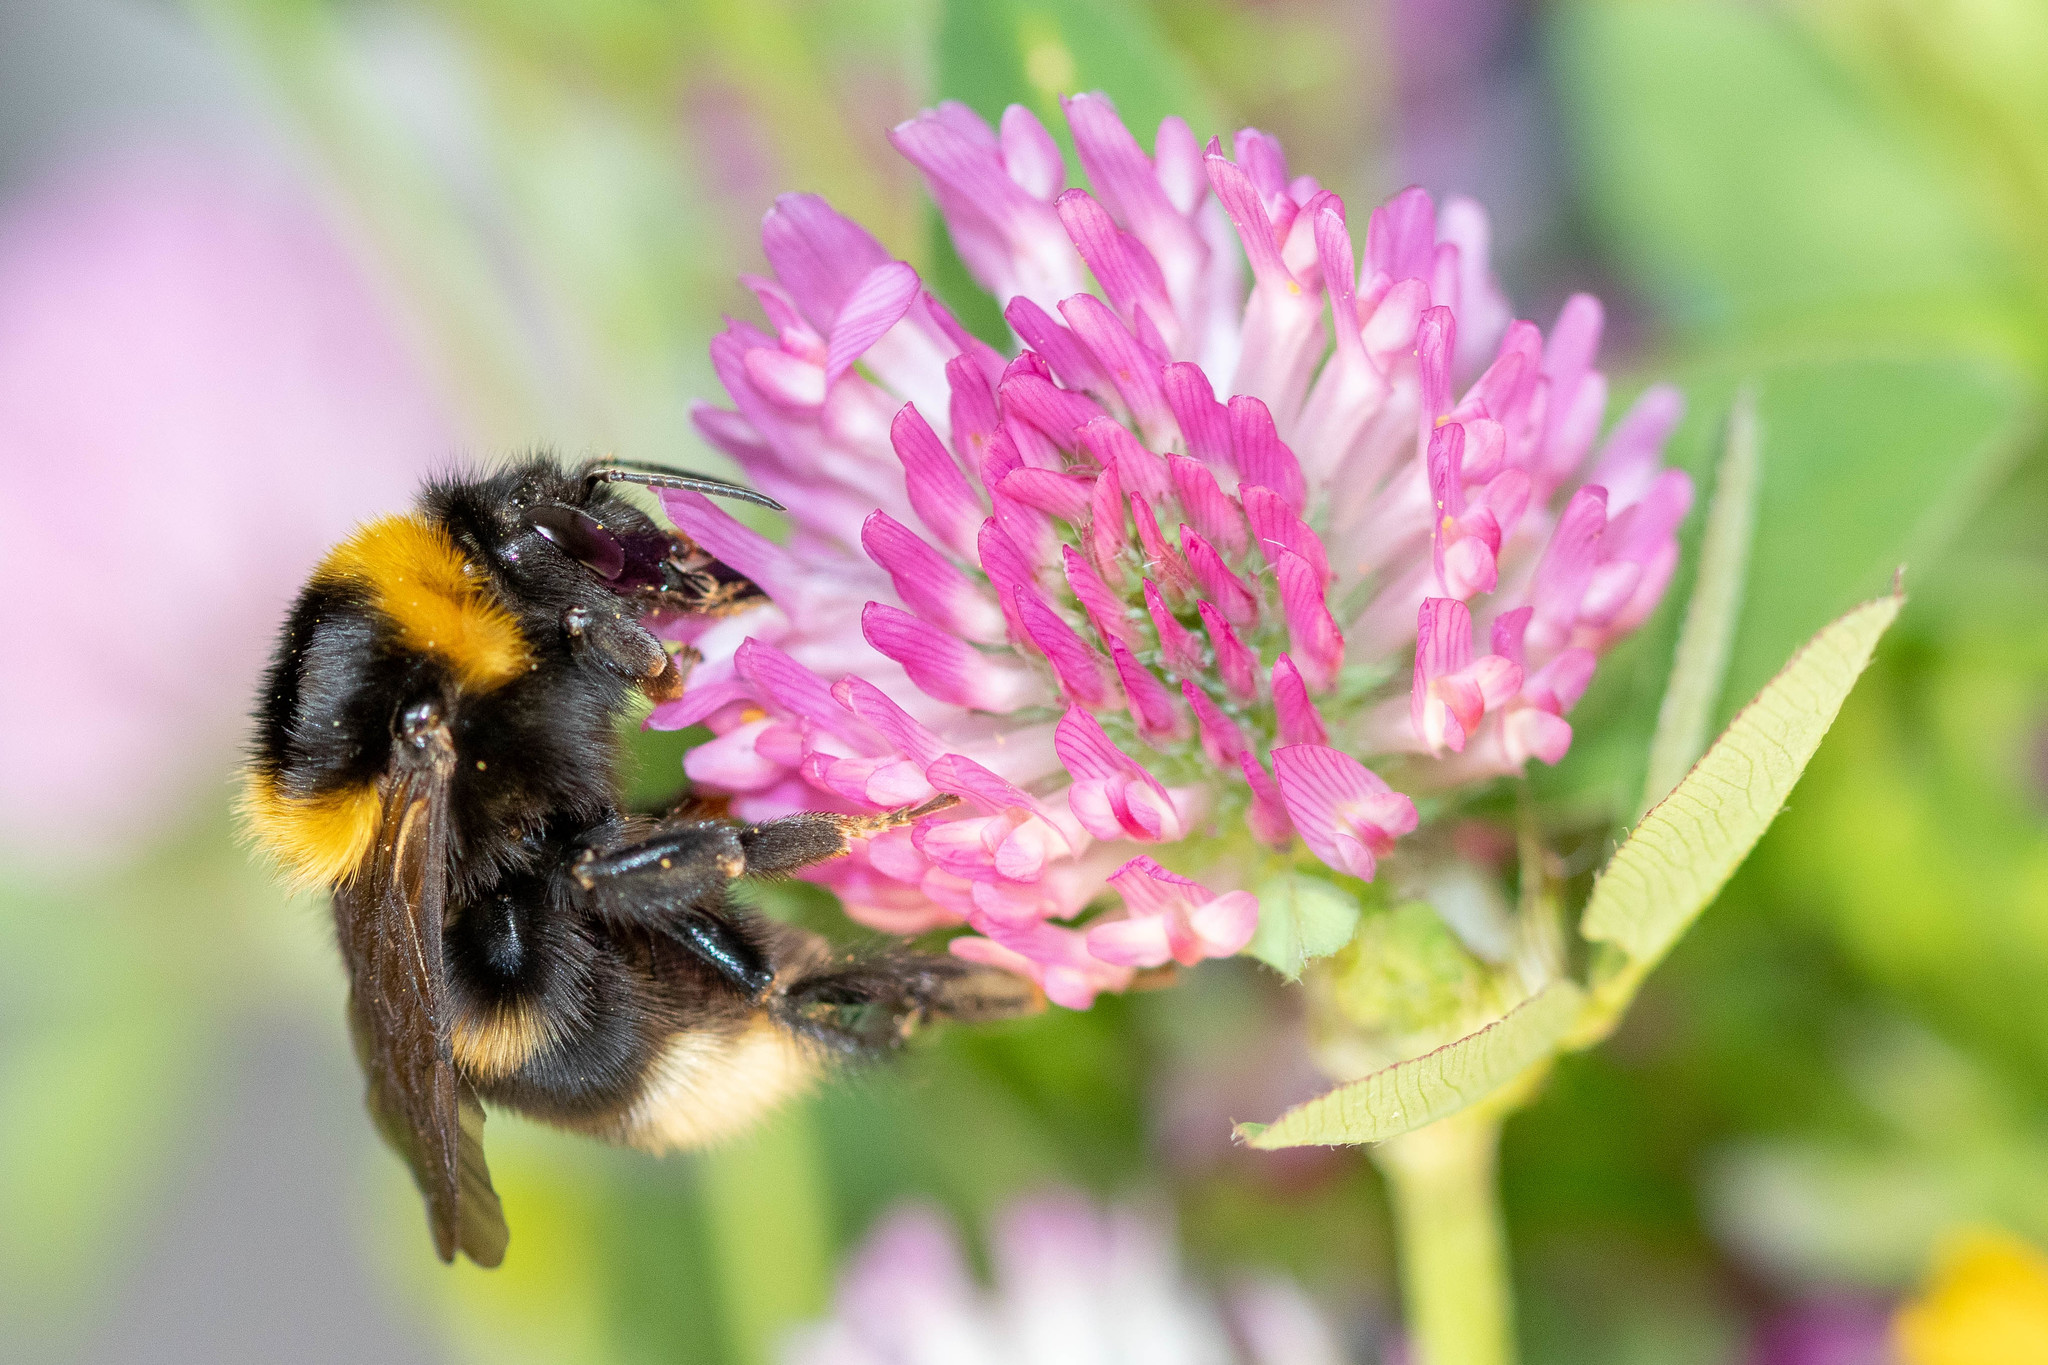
(525, 220)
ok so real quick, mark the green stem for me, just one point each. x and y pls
(767, 1206)
(1454, 1264)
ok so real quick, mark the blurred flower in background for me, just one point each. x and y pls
(200, 388)
(1986, 1303)
(1073, 1283)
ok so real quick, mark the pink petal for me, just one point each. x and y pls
(1267, 815)
(1275, 528)
(1209, 509)
(1086, 751)
(1112, 796)
(1057, 412)
(1141, 941)
(1030, 155)
(1235, 664)
(1132, 373)
(1498, 679)
(1338, 262)
(877, 303)
(1123, 176)
(1182, 652)
(1104, 534)
(1106, 611)
(1177, 160)
(1568, 356)
(1222, 738)
(1163, 562)
(971, 410)
(1124, 268)
(1112, 446)
(1159, 718)
(1559, 684)
(1346, 815)
(963, 777)
(1217, 582)
(939, 493)
(733, 762)
(945, 667)
(696, 704)
(1247, 212)
(1445, 462)
(1629, 458)
(1400, 238)
(879, 710)
(1443, 638)
(1262, 458)
(1083, 673)
(1436, 342)
(790, 689)
(1295, 714)
(1531, 732)
(1056, 958)
(1204, 423)
(1149, 889)
(1508, 381)
(885, 783)
(1314, 633)
(1566, 568)
(1226, 924)
(818, 254)
(929, 583)
(1065, 496)
(1069, 359)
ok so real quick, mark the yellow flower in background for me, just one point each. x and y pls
(1985, 1304)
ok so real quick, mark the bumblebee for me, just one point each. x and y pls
(436, 743)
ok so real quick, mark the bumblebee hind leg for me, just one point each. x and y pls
(874, 1003)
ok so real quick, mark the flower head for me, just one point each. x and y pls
(1209, 543)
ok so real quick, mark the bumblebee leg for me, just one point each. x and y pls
(777, 847)
(873, 1004)
(623, 646)
(674, 881)
(689, 860)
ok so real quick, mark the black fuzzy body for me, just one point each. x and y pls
(573, 958)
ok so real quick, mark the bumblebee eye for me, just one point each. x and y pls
(580, 536)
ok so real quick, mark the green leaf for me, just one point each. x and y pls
(1700, 665)
(1875, 462)
(1407, 1095)
(1301, 919)
(1685, 849)
(1739, 169)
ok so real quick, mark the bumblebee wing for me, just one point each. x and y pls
(389, 915)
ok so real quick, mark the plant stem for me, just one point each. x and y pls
(768, 1209)
(1454, 1265)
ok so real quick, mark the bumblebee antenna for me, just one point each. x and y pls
(661, 476)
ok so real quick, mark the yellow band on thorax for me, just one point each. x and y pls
(440, 605)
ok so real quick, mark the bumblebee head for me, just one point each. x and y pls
(622, 547)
